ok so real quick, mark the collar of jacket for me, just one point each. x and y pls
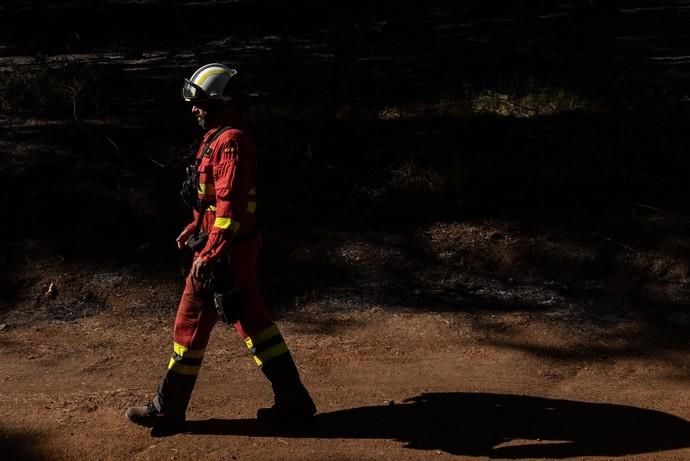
(209, 134)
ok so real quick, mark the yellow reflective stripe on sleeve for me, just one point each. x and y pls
(226, 223)
(262, 336)
(187, 352)
(183, 369)
(212, 207)
(270, 353)
(251, 207)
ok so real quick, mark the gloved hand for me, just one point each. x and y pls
(201, 269)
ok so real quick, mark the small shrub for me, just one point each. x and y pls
(71, 91)
(526, 97)
(544, 101)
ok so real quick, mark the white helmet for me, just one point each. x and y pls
(207, 83)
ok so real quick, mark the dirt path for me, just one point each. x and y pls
(509, 386)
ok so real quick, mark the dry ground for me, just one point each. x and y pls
(502, 385)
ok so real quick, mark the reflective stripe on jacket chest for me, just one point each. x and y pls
(207, 189)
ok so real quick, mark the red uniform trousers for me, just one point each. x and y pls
(196, 316)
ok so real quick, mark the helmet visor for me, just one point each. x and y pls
(192, 92)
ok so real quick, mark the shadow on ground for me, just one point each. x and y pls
(18, 447)
(494, 425)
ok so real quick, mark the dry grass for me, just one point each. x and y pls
(539, 102)
(69, 91)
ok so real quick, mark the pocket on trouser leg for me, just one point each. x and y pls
(230, 305)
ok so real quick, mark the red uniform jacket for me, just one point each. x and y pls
(227, 175)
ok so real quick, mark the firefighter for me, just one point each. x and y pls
(222, 281)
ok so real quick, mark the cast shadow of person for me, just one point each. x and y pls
(494, 425)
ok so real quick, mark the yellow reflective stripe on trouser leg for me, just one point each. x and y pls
(272, 352)
(186, 361)
(186, 352)
(226, 223)
(266, 344)
(262, 336)
(183, 369)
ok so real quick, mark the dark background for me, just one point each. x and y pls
(558, 131)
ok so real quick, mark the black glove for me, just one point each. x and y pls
(228, 300)
(197, 241)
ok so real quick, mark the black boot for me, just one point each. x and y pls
(292, 400)
(166, 413)
(174, 393)
(149, 416)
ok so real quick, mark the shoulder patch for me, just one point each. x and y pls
(232, 148)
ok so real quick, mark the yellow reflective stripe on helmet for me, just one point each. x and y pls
(262, 336)
(182, 369)
(188, 353)
(251, 207)
(226, 223)
(209, 73)
(270, 353)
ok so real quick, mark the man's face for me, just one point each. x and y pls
(205, 111)
(201, 111)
